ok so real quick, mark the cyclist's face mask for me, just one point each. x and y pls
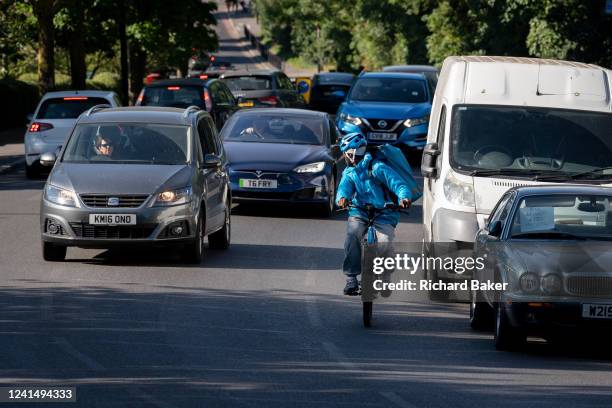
(354, 156)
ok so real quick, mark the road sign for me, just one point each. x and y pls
(304, 85)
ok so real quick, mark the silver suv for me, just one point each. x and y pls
(139, 175)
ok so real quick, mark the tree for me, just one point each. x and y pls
(44, 11)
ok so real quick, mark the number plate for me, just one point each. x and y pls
(595, 311)
(382, 136)
(246, 104)
(112, 219)
(258, 183)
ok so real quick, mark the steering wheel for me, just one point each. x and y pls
(480, 153)
(528, 162)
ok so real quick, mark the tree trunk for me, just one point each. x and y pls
(78, 67)
(124, 82)
(44, 11)
(138, 62)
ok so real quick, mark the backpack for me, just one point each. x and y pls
(394, 158)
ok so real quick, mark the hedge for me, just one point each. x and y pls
(18, 99)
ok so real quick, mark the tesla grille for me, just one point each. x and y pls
(264, 195)
(83, 230)
(590, 286)
(101, 200)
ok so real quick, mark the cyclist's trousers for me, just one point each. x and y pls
(356, 230)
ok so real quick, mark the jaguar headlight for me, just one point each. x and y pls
(353, 120)
(310, 168)
(457, 191)
(60, 196)
(174, 197)
(416, 121)
(551, 284)
(529, 282)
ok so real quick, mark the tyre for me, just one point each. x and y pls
(367, 314)
(506, 336)
(221, 239)
(481, 314)
(32, 172)
(53, 252)
(194, 251)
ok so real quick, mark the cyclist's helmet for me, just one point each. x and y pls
(353, 146)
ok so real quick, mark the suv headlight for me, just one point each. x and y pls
(457, 191)
(174, 197)
(353, 120)
(310, 168)
(60, 196)
(416, 121)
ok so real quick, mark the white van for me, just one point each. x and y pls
(500, 122)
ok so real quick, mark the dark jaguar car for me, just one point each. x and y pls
(282, 155)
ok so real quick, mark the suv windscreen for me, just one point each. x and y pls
(275, 128)
(129, 143)
(249, 83)
(174, 96)
(69, 107)
(526, 139)
(400, 90)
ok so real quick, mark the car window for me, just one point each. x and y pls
(249, 83)
(400, 90)
(217, 94)
(275, 128)
(69, 107)
(500, 212)
(205, 132)
(173, 96)
(285, 82)
(231, 101)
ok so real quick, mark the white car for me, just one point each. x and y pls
(54, 119)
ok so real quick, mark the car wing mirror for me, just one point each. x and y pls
(429, 160)
(495, 229)
(48, 159)
(211, 161)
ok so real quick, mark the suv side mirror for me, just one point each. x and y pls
(496, 229)
(428, 162)
(48, 159)
(211, 161)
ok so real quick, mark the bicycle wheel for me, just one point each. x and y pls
(367, 314)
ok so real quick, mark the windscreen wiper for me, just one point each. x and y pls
(594, 174)
(537, 175)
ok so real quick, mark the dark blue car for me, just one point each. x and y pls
(388, 107)
(282, 155)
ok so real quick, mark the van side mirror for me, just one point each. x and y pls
(48, 159)
(496, 229)
(428, 162)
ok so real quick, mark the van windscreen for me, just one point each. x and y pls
(528, 140)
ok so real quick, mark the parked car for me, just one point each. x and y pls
(212, 95)
(53, 120)
(282, 155)
(430, 73)
(263, 88)
(388, 108)
(499, 122)
(551, 246)
(138, 175)
(329, 90)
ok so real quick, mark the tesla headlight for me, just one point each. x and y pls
(457, 191)
(60, 196)
(416, 121)
(174, 197)
(353, 120)
(551, 284)
(310, 168)
(529, 282)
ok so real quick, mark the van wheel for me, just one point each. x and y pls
(194, 251)
(32, 172)
(53, 252)
(481, 314)
(221, 239)
(506, 336)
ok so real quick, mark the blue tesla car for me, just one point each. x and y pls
(282, 155)
(388, 107)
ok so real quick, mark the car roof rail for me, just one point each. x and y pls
(189, 109)
(96, 108)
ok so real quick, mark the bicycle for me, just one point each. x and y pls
(370, 238)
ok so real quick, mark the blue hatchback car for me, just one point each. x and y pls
(388, 107)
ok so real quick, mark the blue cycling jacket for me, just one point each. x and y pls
(360, 188)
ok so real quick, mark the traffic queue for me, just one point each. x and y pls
(516, 160)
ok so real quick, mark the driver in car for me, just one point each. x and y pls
(105, 142)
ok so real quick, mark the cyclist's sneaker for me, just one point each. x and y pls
(352, 287)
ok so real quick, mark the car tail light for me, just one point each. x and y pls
(207, 100)
(173, 88)
(268, 100)
(151, 77)
(40, 127)
(75, 98)
(212, 59)
(203, 76)
(140, 97)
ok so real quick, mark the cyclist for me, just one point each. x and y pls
(366, 181)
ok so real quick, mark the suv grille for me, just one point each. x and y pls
(84, 230)
(389, 124)
(101, 200)
(590, 286)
